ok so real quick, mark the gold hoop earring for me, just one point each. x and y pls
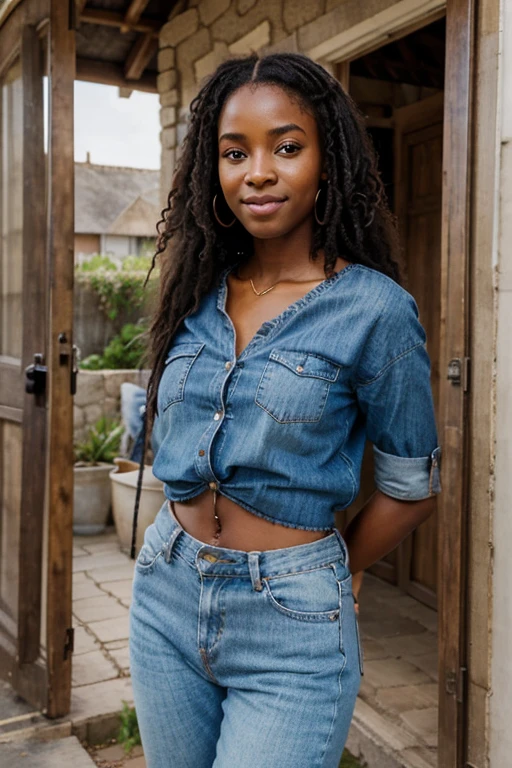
(226, 226)
(318, 221)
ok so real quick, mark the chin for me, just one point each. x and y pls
(267, 230)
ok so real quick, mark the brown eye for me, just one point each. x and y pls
(234, 154)
(289, 149)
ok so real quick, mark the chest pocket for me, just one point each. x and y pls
(177, 368)
(294, 386)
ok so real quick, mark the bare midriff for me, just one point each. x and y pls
(240, 529)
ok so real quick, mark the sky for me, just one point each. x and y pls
(116, 131)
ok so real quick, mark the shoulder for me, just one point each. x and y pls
(394, 327)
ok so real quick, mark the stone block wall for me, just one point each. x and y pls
(98, 393)
(200, 34)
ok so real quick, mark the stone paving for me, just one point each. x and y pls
(395, 723)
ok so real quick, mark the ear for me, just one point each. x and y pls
(324, 176)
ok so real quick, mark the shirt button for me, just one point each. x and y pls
(228, 365)
(213, 486)
(299, 369)
(217, 415)
(201, 452)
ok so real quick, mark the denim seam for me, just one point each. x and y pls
(348, 463)
(397, 495)
(304, 570)
(366, 383)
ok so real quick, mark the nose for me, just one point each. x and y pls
(260, 171)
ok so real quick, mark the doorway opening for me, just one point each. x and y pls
(399, 89)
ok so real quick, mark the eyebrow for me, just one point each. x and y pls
(279, 131)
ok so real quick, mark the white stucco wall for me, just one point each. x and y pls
(501, 699)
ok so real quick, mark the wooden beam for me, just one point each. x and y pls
(140, 56)
(453, 503)
(62, 55)
(133, 14)
(113, 74)
(114, 19)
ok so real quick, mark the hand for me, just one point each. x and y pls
(357, 581)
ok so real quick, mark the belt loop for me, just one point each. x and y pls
(254, 570)
(343, 547)
(170, 544)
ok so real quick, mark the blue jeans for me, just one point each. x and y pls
(242, 659)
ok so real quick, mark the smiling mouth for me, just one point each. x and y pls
(265, 208)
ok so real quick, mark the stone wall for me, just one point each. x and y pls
(200, 34)
(98, 393)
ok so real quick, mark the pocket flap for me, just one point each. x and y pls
(191, 349)
(306, 364)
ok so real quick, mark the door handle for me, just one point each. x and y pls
(35, 376)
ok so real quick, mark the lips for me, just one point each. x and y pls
(264, 205)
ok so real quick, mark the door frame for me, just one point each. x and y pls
(453, 504)
(43, 676)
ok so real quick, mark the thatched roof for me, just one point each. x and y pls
(116, 201)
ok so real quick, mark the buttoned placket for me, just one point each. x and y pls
(203, 463)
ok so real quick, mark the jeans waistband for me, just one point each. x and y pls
(222, 561)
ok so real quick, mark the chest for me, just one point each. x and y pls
(248, 312)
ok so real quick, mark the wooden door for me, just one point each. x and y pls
(418, 196)
(36, 279)
(23, 333)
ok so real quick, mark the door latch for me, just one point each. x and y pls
(35, 376)
(458, 372)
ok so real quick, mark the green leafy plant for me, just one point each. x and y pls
(102, 443)
(119, 285)
(129, 735)
(126, 350)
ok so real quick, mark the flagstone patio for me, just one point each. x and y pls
(395, 722)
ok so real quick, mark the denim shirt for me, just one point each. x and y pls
(281, 429)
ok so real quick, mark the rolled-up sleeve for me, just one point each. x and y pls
(400, 422)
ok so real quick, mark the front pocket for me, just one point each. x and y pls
(180, 360)
(294, 386)
(307, 595)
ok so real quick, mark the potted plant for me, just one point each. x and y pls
(124, 488)
(93, 462)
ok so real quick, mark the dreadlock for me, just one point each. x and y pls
(192, 249)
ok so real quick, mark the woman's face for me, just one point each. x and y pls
(270, 161)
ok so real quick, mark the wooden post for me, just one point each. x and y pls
(61, 241)
(453, 406)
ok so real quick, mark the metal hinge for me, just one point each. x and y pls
(69, 645)
(455, 684)
(459, 372)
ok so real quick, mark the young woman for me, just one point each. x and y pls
(282, 341)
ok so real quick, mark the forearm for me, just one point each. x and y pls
(381, 525)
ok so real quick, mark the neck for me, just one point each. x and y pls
(284, 258)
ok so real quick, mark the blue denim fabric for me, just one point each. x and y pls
(242, 658)
(281, 429)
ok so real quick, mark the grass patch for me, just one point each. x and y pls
(348, 761)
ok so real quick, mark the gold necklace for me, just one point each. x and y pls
(267, 290)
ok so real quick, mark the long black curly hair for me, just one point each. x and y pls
(193, 249)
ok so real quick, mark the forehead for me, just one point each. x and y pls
(262, 107)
